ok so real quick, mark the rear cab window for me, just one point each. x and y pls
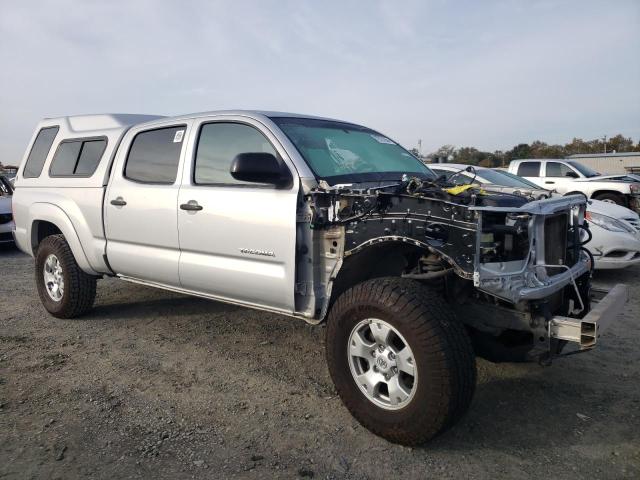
(529, 169)
(39, 151)
(154, 155)
(77, 157)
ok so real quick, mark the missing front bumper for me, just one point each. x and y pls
(585, 332)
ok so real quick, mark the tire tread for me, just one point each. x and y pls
(436, 331)
(80, 287)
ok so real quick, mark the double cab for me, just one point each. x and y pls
(321, 220)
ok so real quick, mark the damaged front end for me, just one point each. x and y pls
(515, 271)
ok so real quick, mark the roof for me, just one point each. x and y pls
(246, 113)
(600, 155)
(101, 121)
(266, 113)
(106, 121)
(536, 159)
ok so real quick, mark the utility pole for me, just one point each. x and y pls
(604, 139)
(420, 147)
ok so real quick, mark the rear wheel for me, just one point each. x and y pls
(612, 198)
(401, 362)
(64, 289)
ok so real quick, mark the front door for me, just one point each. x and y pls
(559, 177)
(237, 239)
(141, 204)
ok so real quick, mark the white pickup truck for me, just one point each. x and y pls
(315, 219)
(569, 177)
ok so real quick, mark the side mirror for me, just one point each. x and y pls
(571, 174)
(259, 167)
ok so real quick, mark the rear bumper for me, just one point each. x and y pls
(586, 331)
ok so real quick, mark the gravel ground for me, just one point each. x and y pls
(155, 384)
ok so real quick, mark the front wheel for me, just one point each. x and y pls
(401, 362)
(64, 289)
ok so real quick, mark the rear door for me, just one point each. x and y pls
(141, 204)
(239, 244)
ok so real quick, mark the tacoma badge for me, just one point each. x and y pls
(252, 251)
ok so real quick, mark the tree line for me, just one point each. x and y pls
(537, 149)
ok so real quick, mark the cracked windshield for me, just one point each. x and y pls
(339, 152)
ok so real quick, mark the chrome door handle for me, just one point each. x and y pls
(191, 206)
(118, 202)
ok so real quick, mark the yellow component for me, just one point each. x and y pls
(463, 188)
(459, 189)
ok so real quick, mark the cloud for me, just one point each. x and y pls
(488, 74)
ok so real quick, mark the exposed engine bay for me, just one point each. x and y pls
(484, 250)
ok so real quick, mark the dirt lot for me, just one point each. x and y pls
(155, 384)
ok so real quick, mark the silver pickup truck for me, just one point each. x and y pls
(321, 220)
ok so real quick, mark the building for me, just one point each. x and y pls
(625, 162)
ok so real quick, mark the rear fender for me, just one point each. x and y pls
(51, 213)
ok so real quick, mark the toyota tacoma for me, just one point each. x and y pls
(321, 220)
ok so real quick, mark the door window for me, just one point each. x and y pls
(154, 155)
(529, 169)
(218, 145)
(556, 169)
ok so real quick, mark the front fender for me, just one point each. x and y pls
(49, 212)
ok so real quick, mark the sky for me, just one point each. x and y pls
(488, 74)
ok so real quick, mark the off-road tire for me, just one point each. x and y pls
(443, 354)
(612, 197)
(79, 287)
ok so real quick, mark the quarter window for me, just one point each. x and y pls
(39, 151)
(529, 169)
(154, 155)
(90, 156)
(77, 157)
(218, 145)
(555, 169)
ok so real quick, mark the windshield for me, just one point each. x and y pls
(344, 153)
(497, 178)
(515, 180)
(488, 176)
(583, 169)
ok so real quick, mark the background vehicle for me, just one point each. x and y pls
(316, 219)
(616, 235)
(496, 180)
(6, 216)
(568, 176)
(615, 230)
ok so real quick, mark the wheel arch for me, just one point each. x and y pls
(575, 192)
(385, 259)
(48, 219)
(597, 193)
